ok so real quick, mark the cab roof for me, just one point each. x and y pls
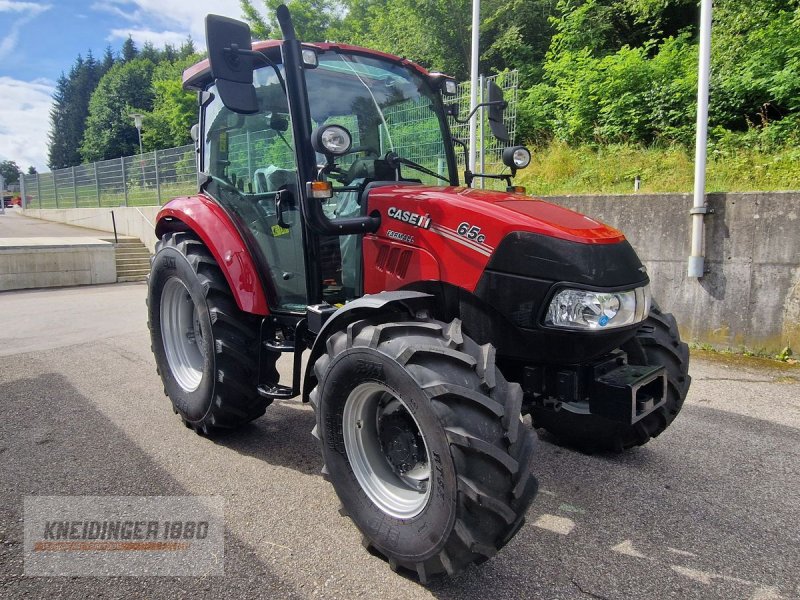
(198, 76)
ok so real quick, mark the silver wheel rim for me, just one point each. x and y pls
(400, 494)
(183, 338)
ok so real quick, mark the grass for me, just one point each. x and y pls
(110, 198)
(559, 169)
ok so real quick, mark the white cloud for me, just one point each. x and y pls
(169, 17)
(27, 11)
(158, 38)
(33, 8)
(25, 121)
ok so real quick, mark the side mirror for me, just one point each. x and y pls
(195, 132)
(231, 69)
(497, 106)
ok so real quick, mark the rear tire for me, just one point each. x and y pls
(657, 342)
(454, 423)
(206, 349)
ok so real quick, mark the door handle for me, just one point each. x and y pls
(281, 197)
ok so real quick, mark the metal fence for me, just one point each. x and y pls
(146, 179)
(152, 178)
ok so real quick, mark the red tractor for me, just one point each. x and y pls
(330, 218)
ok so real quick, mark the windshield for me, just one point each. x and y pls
(385, 106)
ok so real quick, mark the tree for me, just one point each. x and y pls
(10, 172)
(129, 51)
(70, 110)
(32, 170)
(174, 109)
(124, 89)
(312, 18)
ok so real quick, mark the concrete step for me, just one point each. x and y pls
(132, 251)
(133, 264)
(126, 278)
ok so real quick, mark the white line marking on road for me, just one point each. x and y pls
(766, 593)
(627, 548)
(570, 508)
(701, 576)
(560, 525)
(681, 552)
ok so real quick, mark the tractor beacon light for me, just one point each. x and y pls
(333, 140)
(586, 309)
(516, 157)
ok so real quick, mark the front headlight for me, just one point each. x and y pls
(585, 309)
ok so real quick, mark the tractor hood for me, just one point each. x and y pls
(496, 213)
(456, 234)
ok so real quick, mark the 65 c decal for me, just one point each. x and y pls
(471, 232)
(466, 235)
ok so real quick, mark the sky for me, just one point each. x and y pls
(41, 39)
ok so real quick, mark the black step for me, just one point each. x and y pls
(276, 392)
(280, 345)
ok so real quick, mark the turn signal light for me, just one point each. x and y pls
(516, 189)
(319, 189)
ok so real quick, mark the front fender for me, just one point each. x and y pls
(209, 221)
(365, 307)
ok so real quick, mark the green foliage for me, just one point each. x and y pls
(312, 18)
(174, 109)
(558, 168)
(109, 128)
(70, 109)
(10, 172)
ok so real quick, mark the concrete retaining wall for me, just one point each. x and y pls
(54, 262)
(750, 295)
(134, 221)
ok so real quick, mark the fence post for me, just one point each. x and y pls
(482, 83)
(39, 190)
(124, 182)
(158, 179)
(55, 187)
(23, 204)
(96, 183)
(74, 188)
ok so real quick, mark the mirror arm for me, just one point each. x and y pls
(262, 56)
(468, 176)
(466, 119)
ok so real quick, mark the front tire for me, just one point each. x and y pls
(657, 342)
(206, 349)
(422, 439)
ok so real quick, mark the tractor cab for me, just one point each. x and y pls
(291, 149)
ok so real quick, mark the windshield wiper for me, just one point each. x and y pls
(395, 160)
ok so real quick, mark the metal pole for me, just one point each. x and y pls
(696, 265)
(96, 184)
(482, 83)
(124, 183)
(74, 188)
(55, 187)
(2, 195)
(158, 179)
(23, 201)
(114, 224)
(39, 190)
(473, 79)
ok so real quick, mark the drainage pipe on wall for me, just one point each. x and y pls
(699, 206)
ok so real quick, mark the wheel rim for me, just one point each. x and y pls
(386, 450)
(183, 338)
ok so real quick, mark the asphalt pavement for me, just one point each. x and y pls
(710, 509)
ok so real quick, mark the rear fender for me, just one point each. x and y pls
(363, 308)
(209, 221)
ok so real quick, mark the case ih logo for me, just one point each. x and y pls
(423, 221)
